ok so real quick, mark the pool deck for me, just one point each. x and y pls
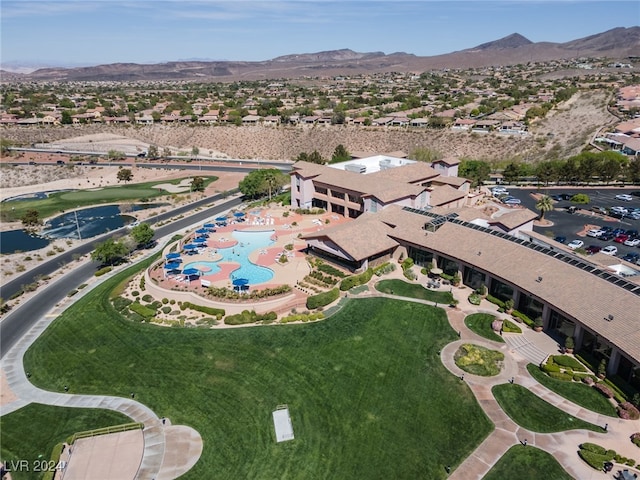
(286, 230)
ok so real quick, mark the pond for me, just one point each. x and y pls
(82, 224)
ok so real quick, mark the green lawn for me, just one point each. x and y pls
(35, 429)
(413, 290)
(62, 201)
(578, 393)
(480, 323)
(535, 414)
(527, 463)
(368, 395)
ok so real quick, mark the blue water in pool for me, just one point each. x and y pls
(247, 243)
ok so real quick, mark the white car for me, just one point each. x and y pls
(619, 210)
(499, 190)
(575, 244)
(632, 242)
(609, 250)
(595, 233)
(624, 197)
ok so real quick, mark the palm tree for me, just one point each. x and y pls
(545, 204)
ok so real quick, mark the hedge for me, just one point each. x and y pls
(510, 327)
(355, 280)
(523, 317)
(594, 448)
(323, 299)
(593, 459)
(247, 316)
(218, 312)
(326, 268)
(102, 271)
(495, 301)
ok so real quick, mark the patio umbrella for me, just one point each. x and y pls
(199, 241)
(239, 282)
(172, 256)
(221, 219)
(202, 231)
(172, 266)
(190, 271)
(189, 246)
(238, 214)
(436, 271)
(209, 225)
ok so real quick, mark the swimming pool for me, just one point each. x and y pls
(248, 241)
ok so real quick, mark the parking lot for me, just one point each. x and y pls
(572, 226)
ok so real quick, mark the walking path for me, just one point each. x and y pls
(157, 462)
(520, 350)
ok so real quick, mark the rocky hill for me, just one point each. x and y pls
(619, 43)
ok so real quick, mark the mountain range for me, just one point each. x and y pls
(616, 44)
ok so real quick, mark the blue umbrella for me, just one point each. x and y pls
(209, 225)
(221, 219)
(239, 282)
(190, 271)
(172, 256)
(190, 246)
(238, 214)
(199, 240)
(172, 266)
(202, 231)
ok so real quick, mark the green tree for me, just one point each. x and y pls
(315, 157)
(142, 234)
(545, 204)
(511, 172)
(547, 171)
(195, 151)
(475, 170)
(340, 154)
(262, 182)
(197, 184)
(124, 175)
(153, 152)
(115, 155)
(65, 118)
(166, 152)
(109, 252)
(31, 218)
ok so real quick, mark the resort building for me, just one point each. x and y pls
(574, 297)
(371, 184)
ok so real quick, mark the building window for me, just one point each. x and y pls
(473, 278)
(420, 257)
(501, 290)
(339, 195)
(531, 307)
(320, 190)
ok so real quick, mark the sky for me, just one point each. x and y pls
(78, 32)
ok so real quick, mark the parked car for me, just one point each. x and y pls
(634, 215)
(600, 210)
(560, 239)
(632, 242)
(499, 191)
(621, 210)
(621, 238)
(595, 232)
(609, 250)
(635, 193)
(624, 197)
(591, 249)
(631, 257)
(575, 244)
(511, 201)
(607, 237)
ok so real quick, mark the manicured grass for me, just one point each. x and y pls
(368, 395)
(62, 201)
(478, 360)
(533, 413)
(578, 393)
(413, 290)
(35, 429)
(527, 463)
(480, 323)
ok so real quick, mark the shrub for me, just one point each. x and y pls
(580, 198)
(603, 389)
(482, 289)
(135, 293)
(523, 317)
(594, 448)
(627, 411)
(120, 303)
(384, 269)
(72, 293)
(166, 309)
(247, 316)
(566, 377)
(509, 304)
(550, 367)
(325, 268)
(355, 280)
(102, 271)
(217, 312)
(635, 439)
(165, 301)
(80, 287)
(588, 380)
(323, 299)
(147, 298)
(593, 459)
(475, 299)
(409, 274)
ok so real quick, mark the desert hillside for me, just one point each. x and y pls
(563, 133)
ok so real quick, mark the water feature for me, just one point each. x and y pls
(89, 223)
(248, 242)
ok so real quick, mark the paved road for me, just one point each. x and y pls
(17, 323)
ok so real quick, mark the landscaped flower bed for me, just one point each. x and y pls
(478, 360)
